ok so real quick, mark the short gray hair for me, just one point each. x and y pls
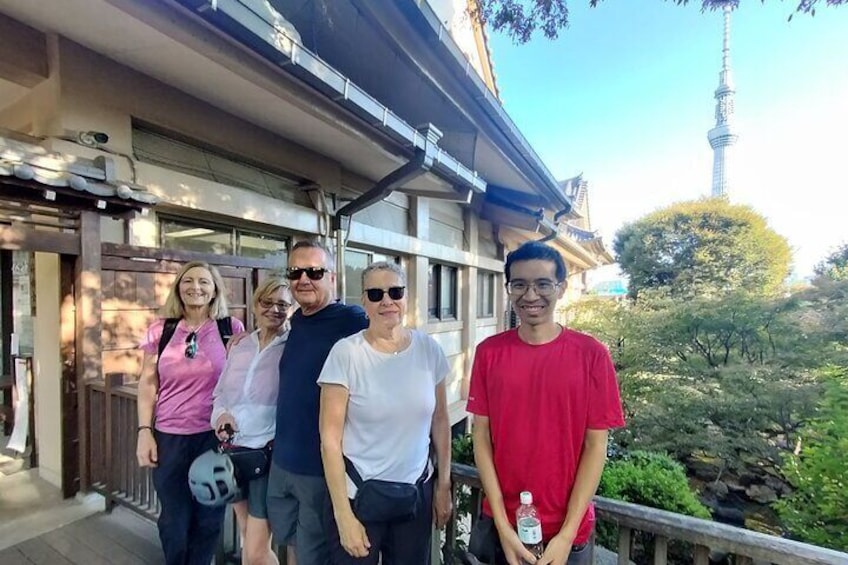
(316, 244)
(383, 266)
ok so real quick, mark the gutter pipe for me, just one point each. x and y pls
(421, 162)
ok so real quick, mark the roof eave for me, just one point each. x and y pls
(274, 44)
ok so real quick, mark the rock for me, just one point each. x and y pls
(777, 485)
(729, 515)
(705, 468)
(718, 488)
(733, 485)
(761, 493)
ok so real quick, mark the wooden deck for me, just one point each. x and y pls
(120, 537)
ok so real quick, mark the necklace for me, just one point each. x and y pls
(192, 328)
(388, 346)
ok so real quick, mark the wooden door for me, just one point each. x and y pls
(136, 282)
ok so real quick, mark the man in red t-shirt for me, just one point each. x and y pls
(544, 399)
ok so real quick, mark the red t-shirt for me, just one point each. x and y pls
(540, 400)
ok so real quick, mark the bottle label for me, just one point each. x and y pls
(530, 531)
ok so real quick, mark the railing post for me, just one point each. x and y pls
(111, 380)
(625, 535)
(660, 550)
(450, 529)
(702, 555)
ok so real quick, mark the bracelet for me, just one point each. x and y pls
(144, 428)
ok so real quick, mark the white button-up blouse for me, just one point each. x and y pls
(248, 389)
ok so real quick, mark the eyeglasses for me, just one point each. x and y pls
(314, 273)
(268, 304)
(376, 294)
(543, 287)
(191, 345)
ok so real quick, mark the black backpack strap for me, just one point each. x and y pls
(352, 472)
(168, 330)
(225, 329)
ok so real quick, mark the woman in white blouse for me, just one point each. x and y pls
(246, 400)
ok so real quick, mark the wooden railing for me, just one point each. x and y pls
(116, 475)
(113, 468)
(705, 536)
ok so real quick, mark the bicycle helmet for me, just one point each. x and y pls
(212, 479)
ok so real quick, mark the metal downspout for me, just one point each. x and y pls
(420, 164)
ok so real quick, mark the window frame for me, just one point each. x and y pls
(235, 234)
(438, 276)
(486, 281)
(371, 257)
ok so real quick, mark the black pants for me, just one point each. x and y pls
(189, 531)
(486, 546)
(400, 543)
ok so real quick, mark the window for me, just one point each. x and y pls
(459, 429)
(185, 235)
(485, 295)
(442, 291)
(355, 263)
(262, 246)
(161, 149)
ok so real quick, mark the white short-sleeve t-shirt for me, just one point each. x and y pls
(390, 407)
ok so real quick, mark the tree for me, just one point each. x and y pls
(816, 511)
(835, 265)
(706, 247)
(521, 18)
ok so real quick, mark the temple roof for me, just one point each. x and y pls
(89, 177)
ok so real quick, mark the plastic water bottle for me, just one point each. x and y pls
(529, 525)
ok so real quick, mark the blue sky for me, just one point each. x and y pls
(625, 96)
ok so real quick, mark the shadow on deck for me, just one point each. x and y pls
(121, 536)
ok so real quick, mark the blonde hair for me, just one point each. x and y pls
(218, 308)
(268, 287)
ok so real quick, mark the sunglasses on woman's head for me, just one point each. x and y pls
(191, 345)
(376, 294)
(314, 273)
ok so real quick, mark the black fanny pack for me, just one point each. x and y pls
(386, 501)
(250, 463)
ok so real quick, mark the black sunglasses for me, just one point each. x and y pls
(191, 345)
(376, 294)
(314, 273)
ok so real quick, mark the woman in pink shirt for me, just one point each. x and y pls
(246, 400)
(184, 354)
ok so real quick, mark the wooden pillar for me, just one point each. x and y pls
(87, 289)
(419, 267)
(469, 300)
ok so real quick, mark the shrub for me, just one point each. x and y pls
(651, 479)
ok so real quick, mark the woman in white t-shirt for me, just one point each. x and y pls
(383, 401)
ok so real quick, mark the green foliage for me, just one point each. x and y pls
(835, 265)
(651, 479)
(702, 248)
(817, 512)
(731, 377)
(520, 19)
(462, 450)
